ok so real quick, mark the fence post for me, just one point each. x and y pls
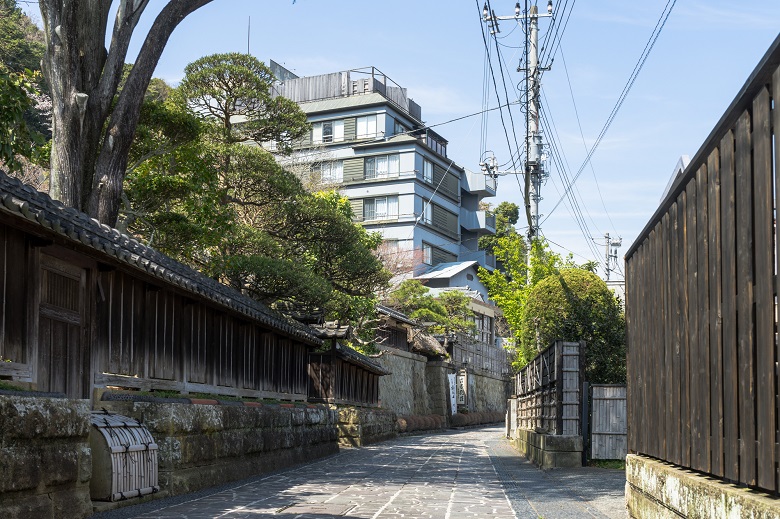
(585, 422)
(558, 387)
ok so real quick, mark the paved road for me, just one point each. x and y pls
(458, 474)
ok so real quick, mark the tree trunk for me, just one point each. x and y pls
(89, 159)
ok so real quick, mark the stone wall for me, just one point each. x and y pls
(659, 489)
(360, 426)
(45, 460)
(419, 387)
(405, 391)
(489, 393)
(206, 445)
(549, 451)
(439, 387)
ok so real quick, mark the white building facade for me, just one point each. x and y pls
(368, 140)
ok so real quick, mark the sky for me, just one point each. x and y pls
(434, 48)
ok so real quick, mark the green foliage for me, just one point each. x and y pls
(575, 304)
(235, 89)
(507, 215)
(198, 193)
(445, 315)
(16, 137)
(600, 325)
(21, 43)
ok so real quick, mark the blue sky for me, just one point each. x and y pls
(434, 48)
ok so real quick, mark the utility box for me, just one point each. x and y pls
(124, 458)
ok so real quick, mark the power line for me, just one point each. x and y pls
(626, 89)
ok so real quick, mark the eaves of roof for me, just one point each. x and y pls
(354, 357)
(18, 200)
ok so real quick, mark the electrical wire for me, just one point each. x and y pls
(626, 89)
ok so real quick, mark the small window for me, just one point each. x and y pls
(427, 254)
(428, 171)
(383, 166)
(366, 126)
(469, 277)
(380, 208)
(428, 213)
(327, 131)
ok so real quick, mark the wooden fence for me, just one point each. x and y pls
(701, 302)
(608, 422)
(84, 307)
(548, 390)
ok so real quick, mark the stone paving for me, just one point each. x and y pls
(469, 473)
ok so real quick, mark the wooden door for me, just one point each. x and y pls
(63, 349)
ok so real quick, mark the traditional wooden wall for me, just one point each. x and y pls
(702, 302)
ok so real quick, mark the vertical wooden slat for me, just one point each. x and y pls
(674, 278)
(685, 342)
(729, 309)
(715, 316)
(693, 327)
(776, 174)
(702, 309)
(670, 405)
(764, 295)
(744, 204)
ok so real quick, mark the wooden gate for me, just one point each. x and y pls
(63, 353)
(608, 422)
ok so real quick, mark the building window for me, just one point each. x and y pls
(380, 208)
(428, 171)
(436, 145)
(327, 131)
(332, 172)
(399, 129)
(366, 126)
(428, 213)
(427, 254)
(382, 167)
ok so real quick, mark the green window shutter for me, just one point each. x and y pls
(357, 209)
(353, 170)
(441, 256)
(447, 182)
(445, 221)
(350, 129)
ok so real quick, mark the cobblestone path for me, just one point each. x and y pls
(458, 474)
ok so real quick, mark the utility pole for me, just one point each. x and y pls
(610, 254)
(534, 171)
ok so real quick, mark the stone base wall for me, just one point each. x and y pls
(45, 459)
(661, 490)
(405, 391)
(549, 451)
(438, 387)
(360, 426)
(490, 393)
(207, 445)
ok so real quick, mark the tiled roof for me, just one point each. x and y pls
(20, 200)
(359, 359)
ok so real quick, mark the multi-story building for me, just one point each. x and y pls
(369, 140)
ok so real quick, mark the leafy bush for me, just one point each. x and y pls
(574, 305)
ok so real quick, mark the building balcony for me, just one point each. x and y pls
(480, 256)
(477, 221)
(479, 184)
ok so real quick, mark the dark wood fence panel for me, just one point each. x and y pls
(547, 390)
(701, 302)
(14, 290)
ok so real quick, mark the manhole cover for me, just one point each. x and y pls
(316, 508)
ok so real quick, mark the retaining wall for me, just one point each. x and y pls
(207, 445)
(360, 426)
(45, 459)
(405, 391)
(490, 393)
(549, 451)
(659, 489)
